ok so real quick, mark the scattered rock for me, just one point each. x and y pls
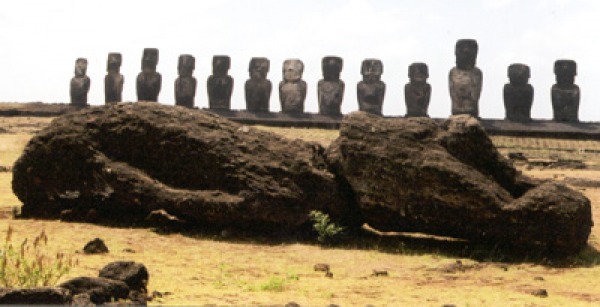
(67, 215)
(134, 274)
(322, 267)
(95, 246)
(292, 304)
(329, 274)
(5, 168)
(517, 156)
(129, 250)
(161, 218)
(539, 278)
(540, 293)
(377, 273)
(100, 290)
(458, 266)
(46, 296)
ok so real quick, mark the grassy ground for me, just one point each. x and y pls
(209, 269)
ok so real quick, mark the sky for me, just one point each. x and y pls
(40, 41)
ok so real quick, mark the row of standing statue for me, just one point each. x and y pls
(465, 82)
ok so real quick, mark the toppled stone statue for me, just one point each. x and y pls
(113, 81)
(371, 90)
(565, 93)
(416, 175)
(331, 88)
(220, 84)
(149, 81)
(518, 94)
(80, 84)
(185, 84)
(292, 90)
(465, 79)
(258, 87)
(417, 92)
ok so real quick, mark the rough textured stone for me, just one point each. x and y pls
(417, 92)
(258, 87)
(413, 174)
(80, 84)
(100, 290)
(149, 82)
(465, 79)
(292, 90)
(220, 85)
(134, 274)
(128, 160)
(113, 81)
(565, 93)
(331, 88)
(39, 296)
(518, 94)
(95, 246)
(371, 90)
(185, 84)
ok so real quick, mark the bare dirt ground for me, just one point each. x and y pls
(201, 269)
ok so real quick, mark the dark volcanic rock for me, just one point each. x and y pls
(96, 246)
(100, 290)
(416, 175)
(134, 274)
(46, 296)
(128, 160)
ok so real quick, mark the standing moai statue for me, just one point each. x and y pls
(258, 87)
(220, 84)
(465, 80)
(565, 93)
(518, 94)
(149, 81)
(185, 84)
(292, 90)
(80, 84)
(331, 89)
(113, 81)
(417, 92)
(371, 90)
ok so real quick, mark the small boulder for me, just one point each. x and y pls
(46, 296)
(134, 274)
(95, 246)
(100, 290)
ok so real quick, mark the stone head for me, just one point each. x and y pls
(292, 70)
(332, 67)
(518, 74)
(371, 69)
(114, 62)
(150, 59)
(186, 65)
(418, 72)
(565, 71)
(221, 64)
(466, 53)
(259, 68)
(81, 67)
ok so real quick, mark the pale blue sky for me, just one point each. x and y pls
(41, 40)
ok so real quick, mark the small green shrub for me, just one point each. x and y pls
(28, 265)
(327, 231)
(274, 284)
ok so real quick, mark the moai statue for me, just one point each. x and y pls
(258, 87)
(292, 90)
(331, 88)
(371, 90)
(149, 81)
(518, 94)
(113, 81)
(565, 93)
(220, 84)
(185, 84)
(417, 92)
(465, 79)
(80, 84)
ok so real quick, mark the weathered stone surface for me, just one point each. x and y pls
(39, 296)
(113, 81)
(258, 87)
(330, 89)
(80, 84)
(371, 90)
(413, 174)
(292, 90)
(220, 85)
(518, 94)
(565, 93)
(465, 79)
(128, 160)
(149, 82)
(417, 92)
(134, 274)
(185, 84)
(96, 246)
(100, 290)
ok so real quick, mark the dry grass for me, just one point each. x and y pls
(206, 269)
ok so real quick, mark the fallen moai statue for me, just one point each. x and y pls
(125, 161)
